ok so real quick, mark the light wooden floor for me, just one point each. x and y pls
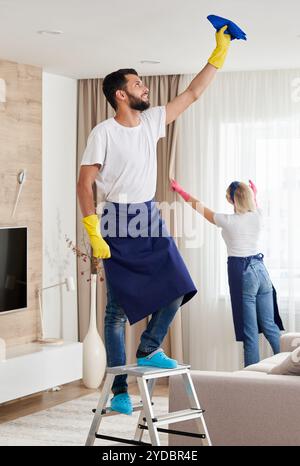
(44, 400)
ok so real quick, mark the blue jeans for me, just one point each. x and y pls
(258, 307)
(114, 331)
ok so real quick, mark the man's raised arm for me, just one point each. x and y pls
(202, 80)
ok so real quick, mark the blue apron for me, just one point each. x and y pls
(236, 266)
(146, 270)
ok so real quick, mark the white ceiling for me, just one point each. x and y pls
(103, 35)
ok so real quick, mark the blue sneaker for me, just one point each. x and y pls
(157, 359)
(121, 403)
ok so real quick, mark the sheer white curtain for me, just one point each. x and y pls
(246, 125)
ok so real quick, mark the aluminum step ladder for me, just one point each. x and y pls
(146, 378)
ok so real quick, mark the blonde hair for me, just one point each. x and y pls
(243, 199)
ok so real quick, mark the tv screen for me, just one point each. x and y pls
(13, 268)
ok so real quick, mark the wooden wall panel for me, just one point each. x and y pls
(21, 147)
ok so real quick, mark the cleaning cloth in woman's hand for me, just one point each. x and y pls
(232, 28)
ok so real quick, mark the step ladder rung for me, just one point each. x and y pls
(177, 416)
(121, 439)
(148, 372)
(175, 432)
(109, 412)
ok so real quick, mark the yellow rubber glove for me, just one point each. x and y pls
(100, 247)
(218, 56)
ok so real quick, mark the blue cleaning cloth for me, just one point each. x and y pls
(232, 28)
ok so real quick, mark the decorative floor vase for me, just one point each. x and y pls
(94, 354)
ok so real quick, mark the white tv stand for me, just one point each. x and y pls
(35, 367)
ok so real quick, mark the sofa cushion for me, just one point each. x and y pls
(267, 364)
(289, 366)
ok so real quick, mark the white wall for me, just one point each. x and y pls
(59, 203)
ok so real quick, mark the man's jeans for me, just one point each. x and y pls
(258, 307)
(114, 329)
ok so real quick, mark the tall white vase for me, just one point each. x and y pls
(94, 354)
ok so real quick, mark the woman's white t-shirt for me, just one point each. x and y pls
(127, 156)
(241, 232)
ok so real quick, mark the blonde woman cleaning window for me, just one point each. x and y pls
(253, 297)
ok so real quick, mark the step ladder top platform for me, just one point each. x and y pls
(141, 371)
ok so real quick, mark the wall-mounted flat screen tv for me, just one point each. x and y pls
(13, 268)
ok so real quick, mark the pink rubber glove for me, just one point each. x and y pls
(254, 189)
(176, 187)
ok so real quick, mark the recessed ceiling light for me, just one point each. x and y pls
(152, 62)
(50, 32)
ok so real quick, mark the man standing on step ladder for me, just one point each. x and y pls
(145, 274)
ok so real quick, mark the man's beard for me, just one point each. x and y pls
(137, 103)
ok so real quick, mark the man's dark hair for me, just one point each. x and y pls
(115, 81)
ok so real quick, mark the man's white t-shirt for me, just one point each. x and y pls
(241, 232)
(127, 156)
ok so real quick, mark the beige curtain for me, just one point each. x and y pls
(92, 109)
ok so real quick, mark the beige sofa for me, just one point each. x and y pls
(246, 407)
